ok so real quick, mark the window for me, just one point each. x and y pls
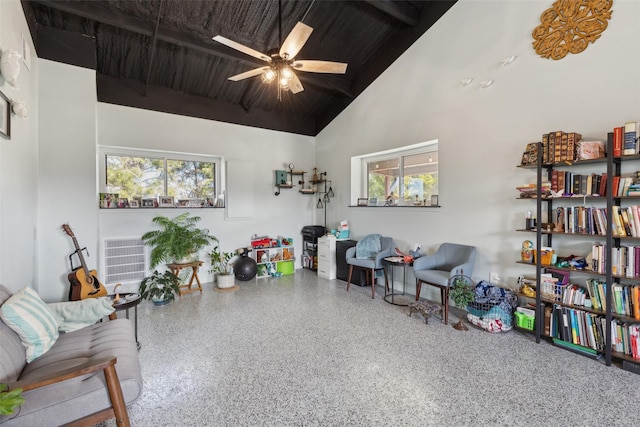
(153, 174)
(406, 175)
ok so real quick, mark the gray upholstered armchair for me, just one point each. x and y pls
(370, 264)
(436, 270)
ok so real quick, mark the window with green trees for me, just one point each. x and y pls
(404, 175)
(149, 177)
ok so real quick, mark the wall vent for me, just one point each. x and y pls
(125, 260)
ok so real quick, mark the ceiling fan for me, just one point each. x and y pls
(282, 62)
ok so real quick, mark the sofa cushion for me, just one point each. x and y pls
(32, 320)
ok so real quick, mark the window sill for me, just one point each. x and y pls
(395, 206)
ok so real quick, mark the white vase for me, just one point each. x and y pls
(225, 280)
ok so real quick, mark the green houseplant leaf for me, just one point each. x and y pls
(160, 287)
(176, 239)
(9, 400)
(461, 291)
(220, 261)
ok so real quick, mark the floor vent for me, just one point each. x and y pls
(125, 260)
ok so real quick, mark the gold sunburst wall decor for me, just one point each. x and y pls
(568, 26)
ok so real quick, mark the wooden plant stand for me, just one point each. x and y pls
(194, 266)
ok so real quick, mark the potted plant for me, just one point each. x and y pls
(178, 239)
(462, 293)
(222, 267)
(10, 399)
(160, 288)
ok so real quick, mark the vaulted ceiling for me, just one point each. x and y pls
(159, 54)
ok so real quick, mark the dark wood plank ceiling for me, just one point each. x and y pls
(159, 54)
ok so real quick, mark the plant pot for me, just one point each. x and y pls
(225, 280)
(160, 300)
(188, 259)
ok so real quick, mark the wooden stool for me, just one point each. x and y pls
(194, 266)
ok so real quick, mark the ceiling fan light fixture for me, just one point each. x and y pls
(284, 83)
(268, 76)
(287, 73)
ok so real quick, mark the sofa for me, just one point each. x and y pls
(86, 376)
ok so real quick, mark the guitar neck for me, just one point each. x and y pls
(82, 261)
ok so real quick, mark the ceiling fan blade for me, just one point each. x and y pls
(294, 85)
(247, 74)
(314, 66)
(242, 48)
(295, 40)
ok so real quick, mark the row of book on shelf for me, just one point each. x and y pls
(625, 139)
(625, 260)
(575, 326)
(568, 184)
(625, 297)
(560, 146)
(588, 330)
(592, 220)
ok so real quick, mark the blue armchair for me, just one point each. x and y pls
(436, 270)
(370, 264)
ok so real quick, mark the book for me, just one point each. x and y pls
(547, 320)
(618, 228)
(615, 183)
(573, 143)
(602, 191)
(630, 141)
(617, 137)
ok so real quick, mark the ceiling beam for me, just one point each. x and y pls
(332, 83)
(96, 12)
(99, 13)
(399, 10)
(130, 93)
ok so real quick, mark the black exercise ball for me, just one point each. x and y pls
(245, 268)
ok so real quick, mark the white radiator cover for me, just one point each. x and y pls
(125, 260)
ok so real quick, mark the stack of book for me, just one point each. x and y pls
(625, 139)
(626, 300)
(559, 146)
(575, 326)
(625, 338)
(568, 183)
(625, 260)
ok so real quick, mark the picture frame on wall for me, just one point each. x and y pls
(149, 203)
(166, 202)
(5, 116)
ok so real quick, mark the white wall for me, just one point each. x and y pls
(266, 150)
(482, 132)
(18, 161)
(67, 172)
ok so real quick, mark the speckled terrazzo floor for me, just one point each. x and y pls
(301, 351)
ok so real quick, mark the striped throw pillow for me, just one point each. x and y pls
(32, 320)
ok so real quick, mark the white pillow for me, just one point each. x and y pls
(32, 320)
(73, 315)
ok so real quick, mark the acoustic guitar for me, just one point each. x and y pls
(84, 282)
